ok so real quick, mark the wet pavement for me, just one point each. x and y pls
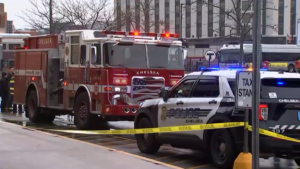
(183, 158)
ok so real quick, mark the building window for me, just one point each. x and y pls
(167, 15)
(281, 17)
(157, 16)
(128, 15)
(119, 25)
(246, 5)
(199, 18)
(293, 17)
(4, 46)
(137, 15)
(210, 15)
(177, 17)
(222, 19)
(188, 19)
(75, 52)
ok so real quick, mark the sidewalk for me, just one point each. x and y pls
(22, 149)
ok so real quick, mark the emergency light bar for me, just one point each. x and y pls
(98, 34)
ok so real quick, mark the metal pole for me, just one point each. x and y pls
(181, 15)
(50, 17)
(256, 82)
(246, 140)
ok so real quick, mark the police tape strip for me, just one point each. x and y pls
(157, 130)
(275, 135)
(178, 129)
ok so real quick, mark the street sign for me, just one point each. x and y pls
(210, 55)
(298, 32)
(243, 98)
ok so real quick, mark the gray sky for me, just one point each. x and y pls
(14, 8)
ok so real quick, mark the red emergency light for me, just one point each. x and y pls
(136, 33)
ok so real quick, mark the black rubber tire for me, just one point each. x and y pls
(230, 150)
(291, 68)
(151, 146)
(86, 123)
(32, 107)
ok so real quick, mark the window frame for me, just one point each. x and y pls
(79, 54)
(207, 77)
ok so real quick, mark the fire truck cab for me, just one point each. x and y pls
(97, 76)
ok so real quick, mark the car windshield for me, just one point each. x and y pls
(168, 57)
(126, 55)
(229, 56)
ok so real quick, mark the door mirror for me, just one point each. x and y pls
(93, 55)
(184, 53)
(164, 94)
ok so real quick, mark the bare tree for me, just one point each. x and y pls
(83, 14)
(238, 19)
(141, 16)
(38, 17)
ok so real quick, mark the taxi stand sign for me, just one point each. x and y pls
(243, 98)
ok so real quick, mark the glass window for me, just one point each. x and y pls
(13, 46)
(283, 88)
(208, 87)
(229, 56)
(232, 86)
(4, 46)
(75, 50)
(96, 60)
(246, 5)
(128, 55)
(161, 56)
(183, 89)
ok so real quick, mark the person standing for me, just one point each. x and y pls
(4, 92)
(13, 107)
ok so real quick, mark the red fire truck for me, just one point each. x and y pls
(97, 76)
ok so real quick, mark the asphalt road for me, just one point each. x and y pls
(182, 158)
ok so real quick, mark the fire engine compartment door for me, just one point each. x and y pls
(53, 80)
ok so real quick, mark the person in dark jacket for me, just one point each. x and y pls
(4, 92)
(13, 107)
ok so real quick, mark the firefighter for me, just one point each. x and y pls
(13, 107)
(4, 92)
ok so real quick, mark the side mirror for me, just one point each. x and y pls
(164, 95)
(184, 52)
(94, 54)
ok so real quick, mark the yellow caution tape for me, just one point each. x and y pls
(275, 135)
(158, 130)
(178, 129)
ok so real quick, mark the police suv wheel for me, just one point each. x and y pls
(82, 112)
(297, 161)
(47, 118)
(32, 108)
(146, 142)
(222, 149)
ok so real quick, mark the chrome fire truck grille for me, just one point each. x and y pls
(144, 88)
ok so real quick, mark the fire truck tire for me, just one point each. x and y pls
(147, 143)
(83, 117)
(32, 107)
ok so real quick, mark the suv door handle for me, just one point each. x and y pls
(212, 102)
(179, 103)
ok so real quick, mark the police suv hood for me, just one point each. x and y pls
(151, 102)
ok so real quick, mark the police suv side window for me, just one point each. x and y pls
(207, 87)
(183, 90)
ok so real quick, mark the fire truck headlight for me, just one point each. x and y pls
(174, 81)
(117, 89)
(119, 80)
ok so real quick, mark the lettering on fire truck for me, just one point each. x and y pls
(44, 41)
(146, 72)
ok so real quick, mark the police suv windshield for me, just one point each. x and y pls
(169, 57)
(134, 55)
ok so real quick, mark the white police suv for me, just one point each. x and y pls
(208, 97)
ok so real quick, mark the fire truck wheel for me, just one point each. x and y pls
(83, 117)
(32, 107)
(146, 142)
